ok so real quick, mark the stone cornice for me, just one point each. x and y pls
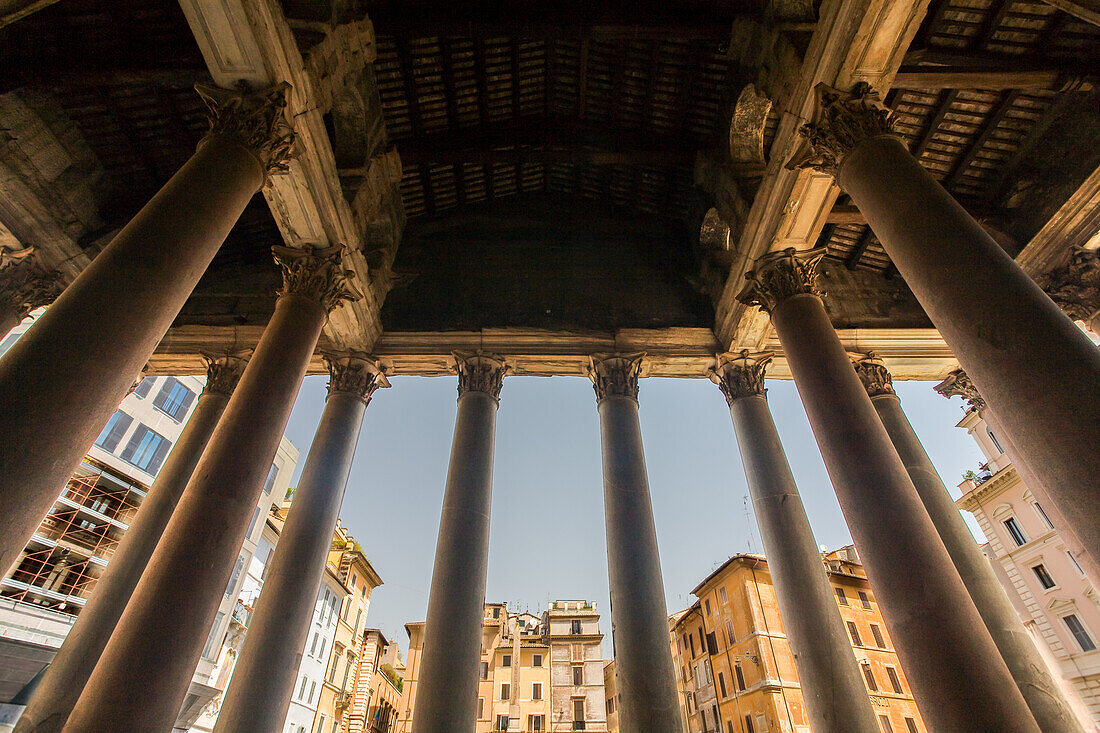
(316, 273)
(741, 375)
(24, 283)
(874, 374)
(971, 501)
(356, 373)
(779, 275)
(958, 383)
(223, 371)
(615, 375)
(255, 119)
(478, 372)
(841, 121)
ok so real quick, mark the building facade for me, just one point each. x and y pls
(736, 672)
(537, 673)
(379, 678)
(1043, 579)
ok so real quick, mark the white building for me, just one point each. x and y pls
(311, 673)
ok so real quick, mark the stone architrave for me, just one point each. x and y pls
(143, 674)
(1041, 691)
(446, 697)
(956, 672)
(56, 396)
(1038, 371)
(24, 286)
(644, 668)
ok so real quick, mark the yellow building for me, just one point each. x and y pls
(735, 669)
(611, 697)
(376, 695)
(348, 565)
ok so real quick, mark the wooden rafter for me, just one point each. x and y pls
(989, 127)
(947, 98)
(861, 245)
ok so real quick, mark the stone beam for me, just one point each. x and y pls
(1075, 225)
(13, 10)
(855, 40)
(251, 41)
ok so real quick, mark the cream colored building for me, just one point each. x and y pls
(537, 673)
(1055, 600)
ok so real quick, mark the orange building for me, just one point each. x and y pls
(735, 669)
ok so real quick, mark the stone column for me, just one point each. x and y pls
(24, 286)
(958, 677)
(1043, 694)
(958, 383)
(267, 668)
(67, 674)
(61, 381)
(639, 619)
(446, 698)
(1039, 372)
(831, 681)
(143, 673)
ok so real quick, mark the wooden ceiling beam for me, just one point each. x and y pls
(860, 247)
(989, 127)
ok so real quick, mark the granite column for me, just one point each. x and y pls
(62, 380)
(958, 677)
(446, 699)
(142, 676)
(831, 681)
(639, 618)
(263, 679)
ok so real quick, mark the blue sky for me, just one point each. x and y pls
(547, 536)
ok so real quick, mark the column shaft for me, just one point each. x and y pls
(446, 698)
(1036, 369)
(639, 619)
(62, 380)
(1042, 693)
(958, 677)
(831, 682)
(143, 674)
(65, 677)
(263, 679)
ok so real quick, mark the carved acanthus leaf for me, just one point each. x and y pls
(615, 375)
(873, 373)
(1075, 286)
(24, 283)
(480, 372)
(257, 120)
(750, 117)
(354, 372)
(316, 273)
(223, 371)
(958, 383)
(741, 375)
(779, 275)
(841, 120)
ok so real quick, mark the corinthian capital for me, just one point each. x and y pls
(778, 275)
(223, 371)
(841, 120)
(874, 374)
(316, 273)
(741, 375)
(958, 383)
(615, 375)
(24, 283)
(480, 372)
(256, 120)
(354, 372)
(1075, 286)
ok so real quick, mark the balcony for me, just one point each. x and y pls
(242, 613)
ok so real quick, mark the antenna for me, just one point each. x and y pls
(748, 521)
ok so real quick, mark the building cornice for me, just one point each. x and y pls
(1001, 481)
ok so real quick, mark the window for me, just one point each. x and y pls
(877, 633)
(536, 691)
(484, 671)
(232, 587)
(321, 724)
(335, 661)
(1042, 515)
(506, 660)
(702, 640)
(574, 627)
(321, 654)
(1077, 565)
(252, 524)
(748, 725)
(481, 707)
(210, 651)
(722, 595)
(691, 641)
(717, 720)
(911, 725)
(578, 674)
(1079, 632)
(505, 691)
(146, 449)
(578, 711)
(502, 722)
(112, 433)
(870, 677)
(1044, 577)
(722, 684)
(854, 633)
(895, 681)
(884, 721)
(313, 646)
(536, 660)
(610, 706)
(302, 689)
(712, 643)
(996, 443)
(865, 600)
(707, 604)
(729, 633)
(269, 482)
(1015, 532)
(740, 677)
(174, 399)
(146, 384)
(496, 613)
(841, 598)
(729, 726)
(535, 723)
